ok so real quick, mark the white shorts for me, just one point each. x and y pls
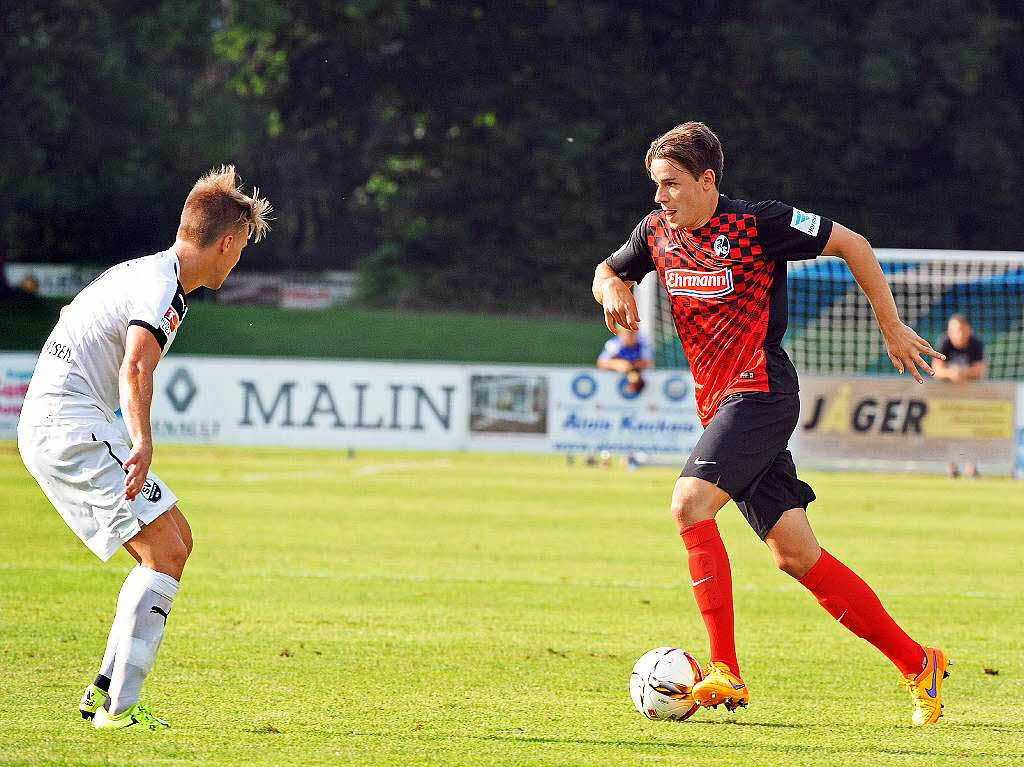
(78, 466)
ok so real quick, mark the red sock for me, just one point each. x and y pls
(851, 601)
(712, 588)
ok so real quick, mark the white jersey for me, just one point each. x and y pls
(76, 376)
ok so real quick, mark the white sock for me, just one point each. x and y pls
(142, 610)
(107, 664)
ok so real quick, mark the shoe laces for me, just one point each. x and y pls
(143, 715)
(722, 669)
(916, 690)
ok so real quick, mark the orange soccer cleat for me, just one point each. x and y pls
(926, 687)
(720, 685)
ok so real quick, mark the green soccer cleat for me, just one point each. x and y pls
(137, 714)
(92, 700)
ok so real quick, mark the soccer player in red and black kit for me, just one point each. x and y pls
(723, 264)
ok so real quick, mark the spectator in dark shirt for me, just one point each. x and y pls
(965, 354)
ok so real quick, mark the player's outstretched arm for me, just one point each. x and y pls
(902, 343)
(616, 298)
(135, 380)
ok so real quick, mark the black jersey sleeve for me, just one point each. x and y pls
(789, 234)
(633, 260)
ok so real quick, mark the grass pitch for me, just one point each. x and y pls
(441, 609)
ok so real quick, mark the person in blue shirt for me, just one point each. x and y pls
(627, 353)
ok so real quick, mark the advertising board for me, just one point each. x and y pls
(876, 424)
(410, 406)
(893, 424)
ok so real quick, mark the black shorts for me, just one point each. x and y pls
(743, 451)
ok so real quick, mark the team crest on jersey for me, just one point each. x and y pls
(686, 282)
(722, 246)
(170, 322)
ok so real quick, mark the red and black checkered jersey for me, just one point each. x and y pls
(726, 282)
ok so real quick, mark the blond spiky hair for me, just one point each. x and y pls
(217, 206)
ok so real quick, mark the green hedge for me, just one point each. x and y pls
(348, 333)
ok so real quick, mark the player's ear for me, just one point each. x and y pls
(225, 242)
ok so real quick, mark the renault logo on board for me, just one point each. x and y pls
(181, 390)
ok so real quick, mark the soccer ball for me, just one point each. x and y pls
(662, 682)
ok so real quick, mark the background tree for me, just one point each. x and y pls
(484, 155)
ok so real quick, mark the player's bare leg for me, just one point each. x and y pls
(163, 545)
(695, 502)
(855, 605)
(793, 544)
(161, 548)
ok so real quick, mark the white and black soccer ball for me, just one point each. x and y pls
(661, 684)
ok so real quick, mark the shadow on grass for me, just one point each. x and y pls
(696, 742)
(693, 729)
(702, 744)
(1016, 728)
(733, 723)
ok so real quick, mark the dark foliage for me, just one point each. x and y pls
(486, 155)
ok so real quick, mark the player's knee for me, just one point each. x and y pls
(172, 558)
(179, 555)
(184, 531)
(794, 563)
(687, 512)
(186, 539)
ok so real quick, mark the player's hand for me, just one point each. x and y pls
(136, 468)
(905, 348)
(619, 306)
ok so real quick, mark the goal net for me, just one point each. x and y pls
(832, 329)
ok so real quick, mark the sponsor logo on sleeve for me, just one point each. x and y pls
(808, 223)
(686, 282)
(171, 320)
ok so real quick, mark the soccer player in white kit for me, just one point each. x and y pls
(101, 356)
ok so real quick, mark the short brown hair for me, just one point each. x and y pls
(217, 206)
(692, 146)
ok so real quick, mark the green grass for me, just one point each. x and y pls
(441, 609)
(350, 333)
